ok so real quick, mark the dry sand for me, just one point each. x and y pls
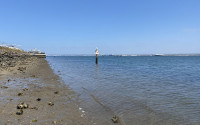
(35, 79)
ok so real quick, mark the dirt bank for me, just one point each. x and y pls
(31, 82)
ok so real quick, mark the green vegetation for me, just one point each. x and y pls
(7, 49)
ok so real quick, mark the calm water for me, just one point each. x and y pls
(140, 90)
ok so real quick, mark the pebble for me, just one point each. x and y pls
(38, 99)
(19, 106)
(56, 92)
(20, 94)
(10, 99)
(115, 119)
(54, 122)
(51, 103)
(25, 106)
(22, 106)
(34, 120)
(20, 112)
(25, 89)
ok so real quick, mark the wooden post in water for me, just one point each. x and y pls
(97, 53)
(96, 59)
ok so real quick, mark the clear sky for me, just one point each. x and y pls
(114, 26)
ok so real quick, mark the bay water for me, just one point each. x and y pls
(142, 90)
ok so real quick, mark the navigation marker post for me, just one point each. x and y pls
(97, 53)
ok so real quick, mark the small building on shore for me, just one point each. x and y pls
(37, 53)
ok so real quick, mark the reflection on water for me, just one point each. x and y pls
(140, 90)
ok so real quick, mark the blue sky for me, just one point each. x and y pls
(114, 26)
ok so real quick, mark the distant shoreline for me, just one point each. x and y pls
(118, 55)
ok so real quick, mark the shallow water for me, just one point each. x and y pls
(140, 90)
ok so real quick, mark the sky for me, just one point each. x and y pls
(114, 26)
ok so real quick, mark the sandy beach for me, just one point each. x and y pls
(48, 100)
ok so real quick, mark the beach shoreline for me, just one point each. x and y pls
(33, 82)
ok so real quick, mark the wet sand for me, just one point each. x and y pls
(50, 101)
